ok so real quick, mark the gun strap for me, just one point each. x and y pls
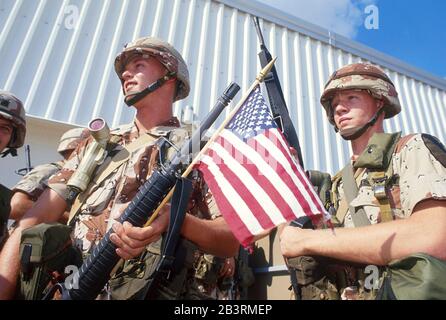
(359, 216)
(179, 202)
(118, 159)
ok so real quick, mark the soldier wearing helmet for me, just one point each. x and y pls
(12, 136)
(13, 123)
(153, 76)
(31, 186)
(388, 203)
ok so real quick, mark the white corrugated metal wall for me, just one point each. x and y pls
(57, 56)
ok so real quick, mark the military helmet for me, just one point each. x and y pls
(71, 138)
(362, 76)
(164, 52)
(11, 108)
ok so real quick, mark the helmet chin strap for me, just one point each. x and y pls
(131, 98)
(11, 151)
(354, 133)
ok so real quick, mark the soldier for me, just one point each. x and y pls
(12, 136)
(153, 76)
(31, 186)
(389, 202)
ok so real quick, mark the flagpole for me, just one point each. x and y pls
(259, 79)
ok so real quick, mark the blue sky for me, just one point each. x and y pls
(412, 31)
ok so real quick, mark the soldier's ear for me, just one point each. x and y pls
(379, 104)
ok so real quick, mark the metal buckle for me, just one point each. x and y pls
(379, 188)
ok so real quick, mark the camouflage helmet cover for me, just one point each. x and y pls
(366, 77)
(11, 108)
(71, 138)
(164, 52)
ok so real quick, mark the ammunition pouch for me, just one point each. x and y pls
(313, 281)
(45, 251)
(134, 280)
(321, 181)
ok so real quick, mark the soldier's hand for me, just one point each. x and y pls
(228, 268)
(131, 241)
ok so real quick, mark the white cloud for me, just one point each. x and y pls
(344, 17)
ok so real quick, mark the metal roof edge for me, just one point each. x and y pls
(33, 119)
(284, 19)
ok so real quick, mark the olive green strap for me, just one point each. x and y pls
(359, 216)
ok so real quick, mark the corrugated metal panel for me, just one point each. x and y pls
(61, 64)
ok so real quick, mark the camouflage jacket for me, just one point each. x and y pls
(36, 181)
(104, 204)
(420, 166)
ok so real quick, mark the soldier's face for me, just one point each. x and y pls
(6, 130)
(141, 72)
(353, 108)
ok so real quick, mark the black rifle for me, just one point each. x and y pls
(28, 168)
(95, 271)
(277, 102)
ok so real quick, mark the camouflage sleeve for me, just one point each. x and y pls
(36, 181)
(214, 212)
(421, 166)
(202, 203)
(58, 181)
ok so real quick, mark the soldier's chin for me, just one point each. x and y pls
(348, 130)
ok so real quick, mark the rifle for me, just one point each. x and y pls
(278, 105)
(95, 271)
(24, 171)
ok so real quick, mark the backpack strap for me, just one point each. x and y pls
(359, 216)
(342, 209)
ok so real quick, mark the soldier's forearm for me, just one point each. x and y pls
(20, 204)
(48, 208)
(211, 236)
(379, 244)
(10, 265)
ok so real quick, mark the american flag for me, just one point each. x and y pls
(255, 181)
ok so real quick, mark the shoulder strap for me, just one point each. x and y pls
(359, 216)
(117, 160)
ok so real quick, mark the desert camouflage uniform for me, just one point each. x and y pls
(421, 177)
(36, 181)
(419, 164)
(205, 282)
(417, 171)
(103, 206)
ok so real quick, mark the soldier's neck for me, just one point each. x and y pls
(151, 116)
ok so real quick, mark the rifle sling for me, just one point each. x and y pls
(118, 159)
(179, 202)
(359, 216)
